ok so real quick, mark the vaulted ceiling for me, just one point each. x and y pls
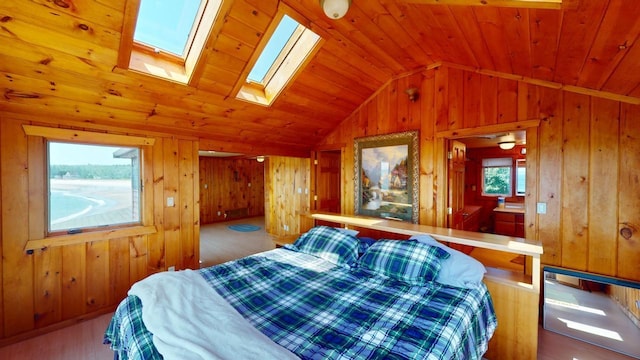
(58, 61)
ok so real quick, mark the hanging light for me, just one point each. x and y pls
(507, 145)
(260, 158)
(335, 9)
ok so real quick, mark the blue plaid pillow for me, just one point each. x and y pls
(405, 260)
(365, 242)
(330, 244)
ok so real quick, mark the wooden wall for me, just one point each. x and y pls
(286, 196)
(227, 184)
(581, 160)
(59, 285)
(627, 298)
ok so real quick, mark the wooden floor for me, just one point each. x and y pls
(84, 341)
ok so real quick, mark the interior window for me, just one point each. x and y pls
(521, 177)
(496, 176)
(92, 186)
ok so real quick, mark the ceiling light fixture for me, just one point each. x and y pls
(335, 9)
(260, 158)
(507, 145)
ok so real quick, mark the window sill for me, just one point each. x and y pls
(81, 238)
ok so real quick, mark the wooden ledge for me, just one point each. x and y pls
(80, 238)
(503, 243)
(508, 244)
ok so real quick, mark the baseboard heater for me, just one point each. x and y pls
(601, 310)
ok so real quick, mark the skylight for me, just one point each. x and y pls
(166, 24)
(289, 47)
(166, 38)
(276, 44)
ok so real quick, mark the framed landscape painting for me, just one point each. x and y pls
(386, 176)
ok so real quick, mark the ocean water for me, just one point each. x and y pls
(64, 204)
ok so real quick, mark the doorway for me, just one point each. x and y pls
(327, 180)
(479, 172)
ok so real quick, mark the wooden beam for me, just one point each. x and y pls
(86, 136)
(548, 84)
(497, 128)
(531, 4)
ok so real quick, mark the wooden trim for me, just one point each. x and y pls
(482, 240)
(81, 238)
(86, 136)
(128, 28)
(527, 4)
(502, 243)
(205, 39)
(548, 84)
(488, 129)
(162, 55)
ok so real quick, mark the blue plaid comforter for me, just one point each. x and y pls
(321, 311)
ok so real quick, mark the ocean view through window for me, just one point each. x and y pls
(92, 186)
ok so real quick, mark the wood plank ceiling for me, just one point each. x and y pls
(58, 62)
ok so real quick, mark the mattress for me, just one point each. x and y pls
(318, 310)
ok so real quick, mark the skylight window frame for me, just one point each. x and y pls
(143, 58)
(275, 81)
(282, 56)
(189, 43)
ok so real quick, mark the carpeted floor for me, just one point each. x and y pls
(219, 244)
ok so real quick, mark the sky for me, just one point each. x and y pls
(79, 154)
(165, 24)
(280, 37)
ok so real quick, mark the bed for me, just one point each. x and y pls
(330, 295)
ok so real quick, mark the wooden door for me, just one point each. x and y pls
(328, 181)
(457, 155)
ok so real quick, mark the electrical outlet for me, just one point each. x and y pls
(638, 304)
(219, 213)
(171, 268)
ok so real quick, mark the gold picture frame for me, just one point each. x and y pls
(386, 169)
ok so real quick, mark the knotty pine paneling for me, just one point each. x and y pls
(627, 298)
(227, 184)
(286, 195)
(628, 188)
(58, 285)
(577, 147)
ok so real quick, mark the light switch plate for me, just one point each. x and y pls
(170, 202)
(541, 208)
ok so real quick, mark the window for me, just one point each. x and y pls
(496, 177)
(283, 35)
(521, 177)
(165, 38)
(167, 25)
(288, 48)
(92, 186)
